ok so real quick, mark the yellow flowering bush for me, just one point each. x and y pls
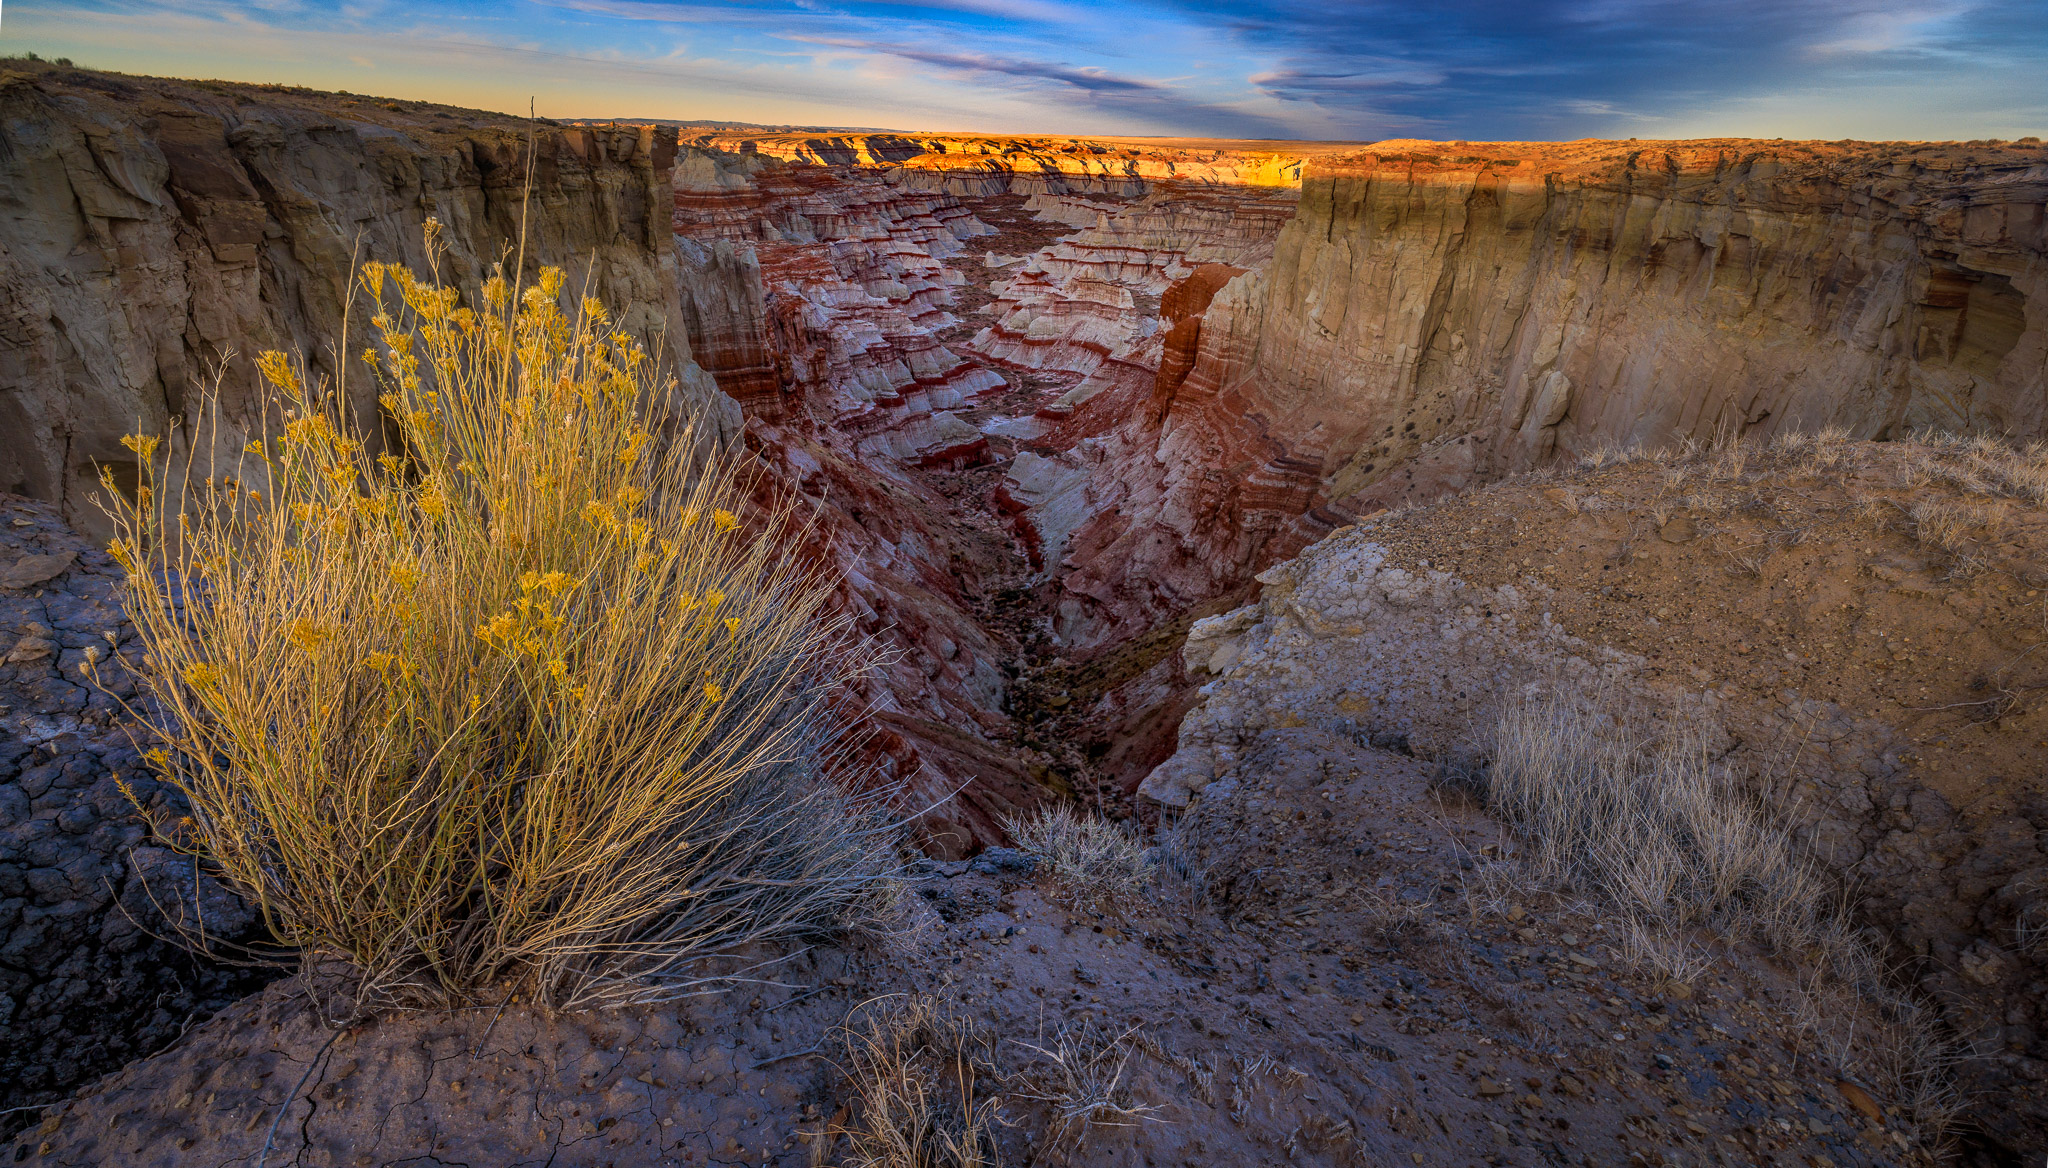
(465, 697)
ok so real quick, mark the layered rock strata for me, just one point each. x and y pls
(972, 164)
(155, 235)
(1090, 303)
(1438, 315)
(824, 290)
(815, 293)
(817, 298)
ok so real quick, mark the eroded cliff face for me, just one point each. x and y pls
(155, 235)
(899, 350)
(1440, 314)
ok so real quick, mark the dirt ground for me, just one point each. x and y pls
(1855, 628)
(1321, 977)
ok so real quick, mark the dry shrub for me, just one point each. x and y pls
(1091, 860)
(1642, 817)
(519, 706)
(1080, 1077)
(917, 1072)
(1649, 822)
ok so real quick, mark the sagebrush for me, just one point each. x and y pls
(497, 693)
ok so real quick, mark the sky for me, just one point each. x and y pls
(1359, 70)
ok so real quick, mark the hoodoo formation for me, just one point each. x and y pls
(1227, 489)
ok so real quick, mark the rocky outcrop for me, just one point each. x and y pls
(155, 235)
(1437, 315)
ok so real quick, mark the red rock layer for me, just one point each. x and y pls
(1182, 308)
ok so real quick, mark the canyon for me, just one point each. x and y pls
(1062, 414)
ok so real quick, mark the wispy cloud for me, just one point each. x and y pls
(1093, 80)
(1469, 69)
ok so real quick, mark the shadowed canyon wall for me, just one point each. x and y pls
(154, 232)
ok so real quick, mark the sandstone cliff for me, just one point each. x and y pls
(1440, 314)
(155, 234)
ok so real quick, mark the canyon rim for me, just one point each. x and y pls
(1230, 497)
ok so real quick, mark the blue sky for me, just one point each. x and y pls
(1351, 69)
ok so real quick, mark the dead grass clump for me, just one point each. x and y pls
(2030, 927)
(1180, 877)
(1642, 817)
(1673, 955)
(1960, 531)
(1941, 525)
(520, 706)
(1728, 462)
(1893, 1043)
(1496, 888)
(1080, 1077)
(1986, 465)
(1813, 452)
(1610, 455)
(917, 1072)
(1091, 860)
(1647, 821)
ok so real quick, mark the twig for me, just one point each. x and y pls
(487, 1030)
(293, 1098)
(800, 997)
(764, 1062)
